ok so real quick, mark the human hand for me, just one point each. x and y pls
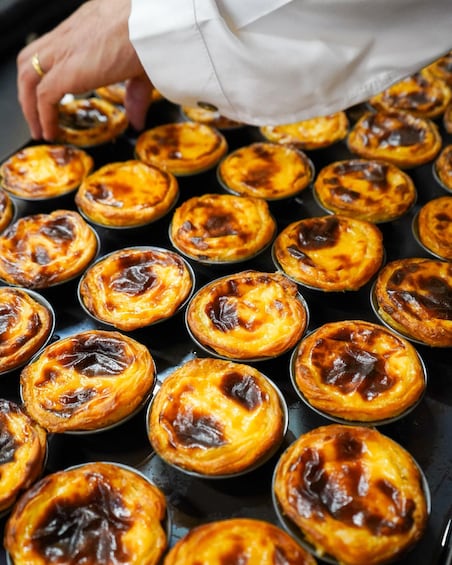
(89, 49)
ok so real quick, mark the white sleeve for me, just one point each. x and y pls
(280, 61)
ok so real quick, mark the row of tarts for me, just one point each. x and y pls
(353, 494)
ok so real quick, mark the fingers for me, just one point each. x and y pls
(137, 100)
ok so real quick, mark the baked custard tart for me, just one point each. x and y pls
(366, 189)
(127, 194)
(7, 210)
(88, 381)
(433, 227)
(414, 297)
(40, 172)
(399, 137)
(222, 228)
(209, 117)
(266, 170)
(352, 493)
(216, 418)
(26, 324)
(357, 371)
(91, 514)
(442, 167)
(331, 253)
(43, 250)
(238, 540)
(135, 287)
(421, 94)
(183, 148)
(22, 454)
(249, 315)
(315, 133)
(86, 122)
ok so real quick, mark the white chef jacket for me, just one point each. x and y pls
(280, 61)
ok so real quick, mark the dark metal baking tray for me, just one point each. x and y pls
(424, 432)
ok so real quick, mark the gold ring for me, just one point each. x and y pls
(37, 65)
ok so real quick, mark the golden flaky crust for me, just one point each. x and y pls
(422, 95)
(398, 137)
(314, 133)
(330, 253)
(87, 381)
(222, 228)
(183, 148)
(43, 250)
(23, 452)
(266, 170)
(127, 194)
(366, 189)
(135, 287)
(248, 315)
(353, 493)
(238, 540)
(95, 513)
(443, 167)
(358, 371)
(434, 226)
(215, 418)
(85, 122)
(6, 210)
(25, 325)
(38, 172)
(413, 296)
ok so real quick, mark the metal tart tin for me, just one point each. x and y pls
(261, 461)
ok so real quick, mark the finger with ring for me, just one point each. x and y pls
(37, 65)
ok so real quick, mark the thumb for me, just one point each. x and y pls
(137, 100)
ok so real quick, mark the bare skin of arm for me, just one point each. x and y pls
(89, 49)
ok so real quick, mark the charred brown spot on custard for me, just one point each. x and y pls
(60, 229)
(243, 389)
(82, 117)
(109, 194)
(261, 175)
(8, 442)
(93, 356)
(237, 553)
(314, 235)
(393, 129)
(422, 94)
(72, 401)
(374, 173)
(63, 155)
(191, 427)
(84, 526)
(4, 202)
(134, 276)
(343, 493)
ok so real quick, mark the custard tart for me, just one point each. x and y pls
(399, 137)
(127, 194)
(39, 172)
(330, 253)
(91, 514)
(414, 296)
(88, 381)
(26, 324)
(442, 167)
(216, 418)
(421, 94)
(355, 370)
(250, 315)
(434, 226)
(183, 148)
(6, 210)
(43, 250)
(135, 287)
(86, 122)
(366, 189)
(353, 493)
(314, 133)
(222, 228)
(22, 454)
(209, 117)
(266, 170)
(238, 540)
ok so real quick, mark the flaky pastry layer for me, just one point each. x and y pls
(216, 417)
(434, 224)
(330, 253)
(87, 381)
(353, 493)
(91, 514)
